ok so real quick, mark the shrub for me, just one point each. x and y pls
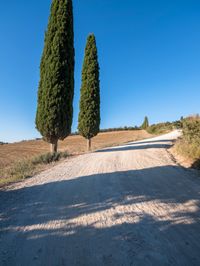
(191, 130)
(46, 158)
(49, 158)
(189, 144)
(160, 128)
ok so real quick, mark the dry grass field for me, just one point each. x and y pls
(11, 153)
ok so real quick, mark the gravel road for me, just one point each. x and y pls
(127, 205)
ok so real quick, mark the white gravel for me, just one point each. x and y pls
(127, 205)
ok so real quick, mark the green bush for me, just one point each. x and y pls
(189, 144)
(49, 158)
(46, 158)
(191, 130)
(191, 135)
(160, 128)
(64, 154)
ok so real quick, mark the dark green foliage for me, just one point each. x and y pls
(3, 143)
(119, 129)
(178, 124)
(125, 128)
(145, 124)
(56, 87)
(89, 116)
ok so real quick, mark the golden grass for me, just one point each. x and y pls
(12, 153)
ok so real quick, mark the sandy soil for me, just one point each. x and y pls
(127, 205)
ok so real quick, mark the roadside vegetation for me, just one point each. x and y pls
(188, 145)
(26, 168)
(162, 128)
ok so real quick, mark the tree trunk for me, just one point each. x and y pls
(54, 147)
(88, 144)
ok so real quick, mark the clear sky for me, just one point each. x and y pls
(149, 54)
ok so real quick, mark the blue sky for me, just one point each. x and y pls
(149, 54)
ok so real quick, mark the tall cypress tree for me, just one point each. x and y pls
(145, 124)
(56, 87)
(89, 116)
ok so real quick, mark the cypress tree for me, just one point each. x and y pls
(89, 115)
(145, 124)
(56, 87)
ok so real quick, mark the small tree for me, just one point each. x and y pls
(145, 124)
(89, 115)
(56, 87)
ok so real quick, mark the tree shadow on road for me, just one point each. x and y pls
(148, 142)
(137, 146)
(141, 217)
(166, 144)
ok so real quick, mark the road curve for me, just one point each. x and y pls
(127, 205)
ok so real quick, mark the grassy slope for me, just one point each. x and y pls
(187, 154)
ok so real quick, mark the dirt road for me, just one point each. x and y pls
(128, 205)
